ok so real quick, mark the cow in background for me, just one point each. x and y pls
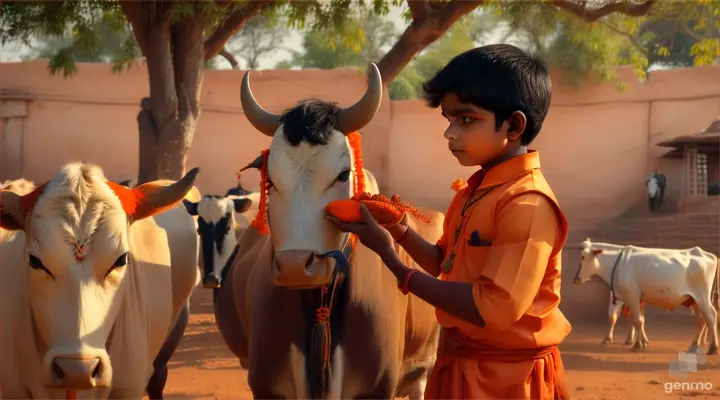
(219, 230)
(666, 278)
(615, 309)
(655, 183)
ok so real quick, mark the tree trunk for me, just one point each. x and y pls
(167, 119)
(175, 54)
(147, 162)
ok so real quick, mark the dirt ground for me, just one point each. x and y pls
(203, 367)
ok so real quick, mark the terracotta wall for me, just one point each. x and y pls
(596, 145)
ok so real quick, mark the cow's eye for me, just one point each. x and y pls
(35, 263)
(344, 176)
(121, 261)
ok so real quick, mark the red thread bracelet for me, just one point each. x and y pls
(405, 289)
(407, 229)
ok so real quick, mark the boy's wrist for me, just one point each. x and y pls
(390, 258)
(398, 232)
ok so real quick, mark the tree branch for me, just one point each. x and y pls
(139, 16)
(419, 9)
(230, 58)
(590, 15)
(633, 40)
(421, 33)
(232, 24)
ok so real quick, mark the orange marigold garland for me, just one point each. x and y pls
(356, 145)
(355, 141)
(386, 211)
(458, 185)
(260, 222)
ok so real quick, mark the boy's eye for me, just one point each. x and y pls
(466, 120)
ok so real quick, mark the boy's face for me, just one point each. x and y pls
(471, 133)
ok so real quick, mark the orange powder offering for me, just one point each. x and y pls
(386, 211)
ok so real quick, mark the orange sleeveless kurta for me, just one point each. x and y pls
(509, 246)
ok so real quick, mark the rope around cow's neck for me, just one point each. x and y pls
(612, 275)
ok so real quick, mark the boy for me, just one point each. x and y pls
(499, 255)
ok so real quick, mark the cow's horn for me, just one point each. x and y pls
(264, 121)
(358, 115)
(175, 191)
(257, 164)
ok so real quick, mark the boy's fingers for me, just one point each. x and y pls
(343, 226)
(365, 213)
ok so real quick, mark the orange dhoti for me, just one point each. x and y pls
(467, 369)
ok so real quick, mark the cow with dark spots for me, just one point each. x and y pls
(218, 230)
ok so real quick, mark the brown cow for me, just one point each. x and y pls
(381, 344)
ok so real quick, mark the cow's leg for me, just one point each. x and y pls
(625, 311)
(613, 312)
(644, 333)
(639, 322)
(156, 385)
(710, 315)
(631, 337)
(417, 391)
(700, 339)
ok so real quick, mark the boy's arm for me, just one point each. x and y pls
(514, 267)
(428, 255)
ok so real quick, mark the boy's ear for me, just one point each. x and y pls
(516, 125)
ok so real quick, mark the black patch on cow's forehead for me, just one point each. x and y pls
(238, 190)
(311, 121)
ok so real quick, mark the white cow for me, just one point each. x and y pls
(87, 295)
(666, 278)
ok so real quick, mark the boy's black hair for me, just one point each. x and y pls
(500, 78)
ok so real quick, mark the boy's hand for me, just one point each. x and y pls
(370, 233)
(398, 230)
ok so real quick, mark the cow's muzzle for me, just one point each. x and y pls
(212, 281)
(79, 371)
(302, 269)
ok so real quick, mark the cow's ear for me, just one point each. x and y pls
(153, 198)
(12, 214)
(241, 205)
(14, 208)
(597, 251)
(190, 207)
